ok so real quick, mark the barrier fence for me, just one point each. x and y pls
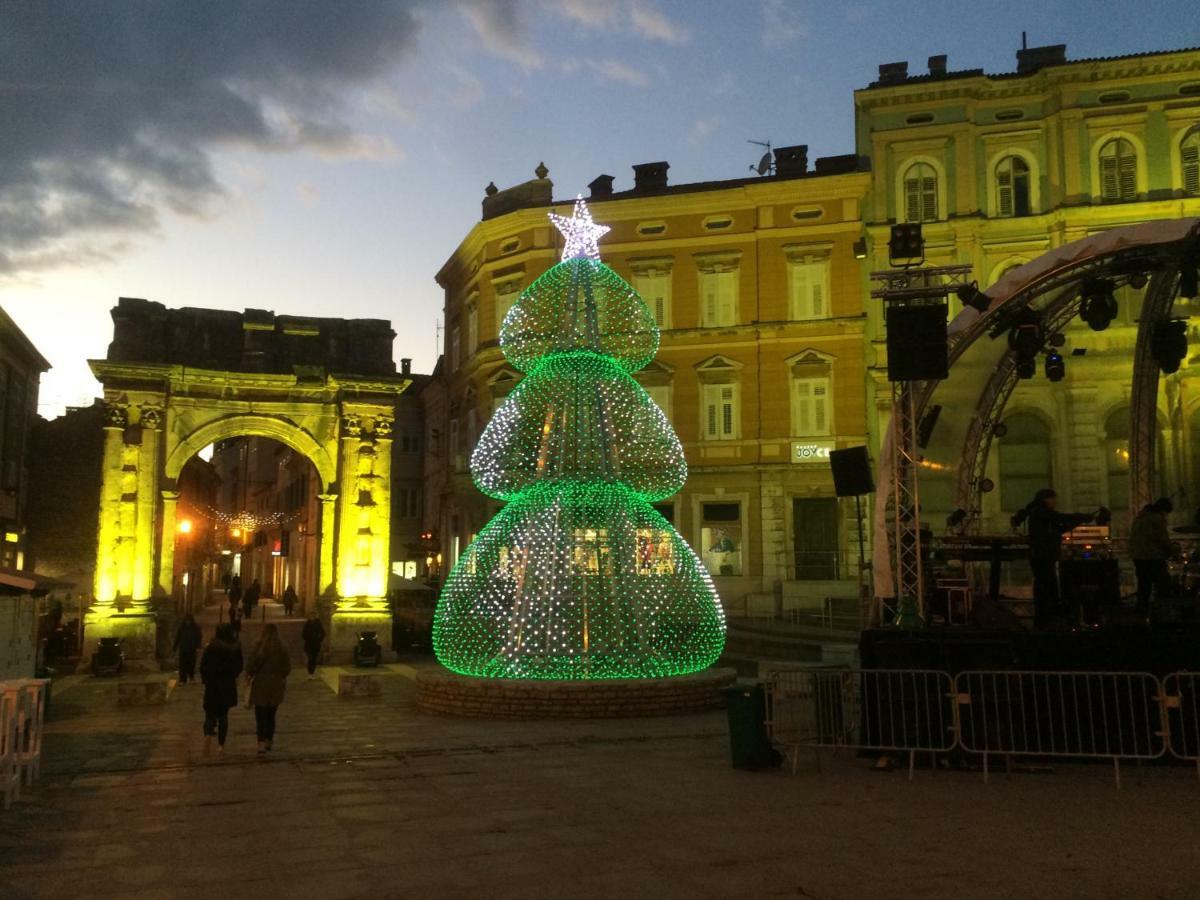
(22, 714)
(1117, 716)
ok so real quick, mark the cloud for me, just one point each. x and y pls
(500, 26)
(615, 70)
(783, 23)
(110, 112)
(703, 129)
(468, 90)
(650, 22)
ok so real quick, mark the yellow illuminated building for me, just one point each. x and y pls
(755, 285)
(999, 169)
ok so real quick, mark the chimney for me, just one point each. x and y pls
(937, 65)
(791, 160)
(405, 366)
(893, 73)
(650, 176)
(1031, 59)
(600, 186)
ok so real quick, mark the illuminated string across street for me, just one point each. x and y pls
(578, 576)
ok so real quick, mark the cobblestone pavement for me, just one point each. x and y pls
(368, 798)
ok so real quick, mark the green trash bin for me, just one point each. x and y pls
(749, 744)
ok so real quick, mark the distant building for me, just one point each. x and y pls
(21, 367)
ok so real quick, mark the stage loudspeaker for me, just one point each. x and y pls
(851, 472)
(916, 343)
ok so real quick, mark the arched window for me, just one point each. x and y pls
(1189, 158)
(1118, 170)
(1025, 466)
(1012, 187)
(920, 193)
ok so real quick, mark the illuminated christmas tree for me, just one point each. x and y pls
(578, 576)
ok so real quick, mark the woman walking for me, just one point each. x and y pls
(220, 667)
(187, 641)
(268, 668)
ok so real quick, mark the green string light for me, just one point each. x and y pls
(578, 576)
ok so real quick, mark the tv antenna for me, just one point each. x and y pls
(766, 165)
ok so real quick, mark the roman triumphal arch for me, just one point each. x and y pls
(176, 381)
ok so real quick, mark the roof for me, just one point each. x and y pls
(11, 331)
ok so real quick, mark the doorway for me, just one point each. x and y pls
(815, 538)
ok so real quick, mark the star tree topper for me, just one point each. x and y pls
(580, 232)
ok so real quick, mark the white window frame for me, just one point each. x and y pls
(808, 287)
(506, 291)
(720, 411)
(718, 298)
(927, 202)
(661, 395)
(812, 406)
(657, 298)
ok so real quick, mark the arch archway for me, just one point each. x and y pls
(162, 409)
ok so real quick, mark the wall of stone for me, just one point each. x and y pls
(18, 636)
(444, 693)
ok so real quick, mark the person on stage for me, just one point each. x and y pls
(1046, 527)
(1150, 546)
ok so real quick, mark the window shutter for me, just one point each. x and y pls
(1108, 178)
(821, 407)
(818, 297)
(710, 412)
(660, 310)
(1191, 167)
(929, 211)
(800, 292)
(1128, 177)
(1004, 191)
(710, 299)
(912, 199)
(725, 307)
(803, 407)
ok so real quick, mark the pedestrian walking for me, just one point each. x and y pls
(187, 642)
(289, 600)
(235, 618)
(235, 593)
(250, 598)
(313, 635)
(220, 667)
(1150, 546)
(268, 669)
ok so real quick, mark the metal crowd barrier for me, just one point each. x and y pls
(1035, 714)
(889, 711)
(22, 715)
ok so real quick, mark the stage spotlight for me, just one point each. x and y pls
(956, 518)
(1099, 306)
(860, 248)
(1057, 339)
(1189, 276)
(1026, 367)
(1000, 429)
(1056, 369)
(1168, 345)
(907, 245)
(1026, 339)
(1138, 280)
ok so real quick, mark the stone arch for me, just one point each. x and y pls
(253, 425)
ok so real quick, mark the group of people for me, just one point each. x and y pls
(242, 603)
(1150, 547)
(222, 663)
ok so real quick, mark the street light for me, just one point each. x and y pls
(184, 526)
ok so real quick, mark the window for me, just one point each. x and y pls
(718, 298)
(812, 406)
(649, 229)
(654, 286)
(720, 412)
(456, 460)
(472, 426)
(721, 537)
(717, 223)
(1012, 187)
(809, 281)
(1189, 158)
(454, 349)
(1024, 456)
(472, 330)
(920, 193)
(1118, 171)
(506, 296)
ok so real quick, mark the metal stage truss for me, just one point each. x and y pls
(983, 375)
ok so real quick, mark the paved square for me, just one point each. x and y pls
(368, 798)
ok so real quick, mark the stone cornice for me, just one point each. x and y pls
(179, 378)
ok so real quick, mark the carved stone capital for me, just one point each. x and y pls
(152, 417)
(116, 415)
(383, 426)
(351, 426)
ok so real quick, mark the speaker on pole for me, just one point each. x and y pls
(851, 472)
(916, 343)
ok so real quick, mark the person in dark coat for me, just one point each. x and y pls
(313, 635)
(187, 642)
(268, 669)
(250, 598)
(1150, 546)
(220, 667)
(1046, 527)
(289, 600)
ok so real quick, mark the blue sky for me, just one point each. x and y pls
(377, 136)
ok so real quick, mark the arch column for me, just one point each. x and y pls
(325, 571)
(166, 560)
(106, 584)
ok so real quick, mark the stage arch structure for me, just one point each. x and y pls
(177, 381)
(1152, 258)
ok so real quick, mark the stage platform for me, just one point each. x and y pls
(1159, 649)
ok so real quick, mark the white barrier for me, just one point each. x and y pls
(22, 715)
(10, 767)
(1181, 704)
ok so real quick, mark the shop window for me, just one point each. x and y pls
(721, 537)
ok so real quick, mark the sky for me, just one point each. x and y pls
(320, 158)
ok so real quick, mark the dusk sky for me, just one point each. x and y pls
(325, 159)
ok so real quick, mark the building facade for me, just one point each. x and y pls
(1001, 168)
(21, 368)
(755, 285)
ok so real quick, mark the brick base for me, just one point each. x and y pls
(444, 693)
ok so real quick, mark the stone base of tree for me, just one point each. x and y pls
(444, 693)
